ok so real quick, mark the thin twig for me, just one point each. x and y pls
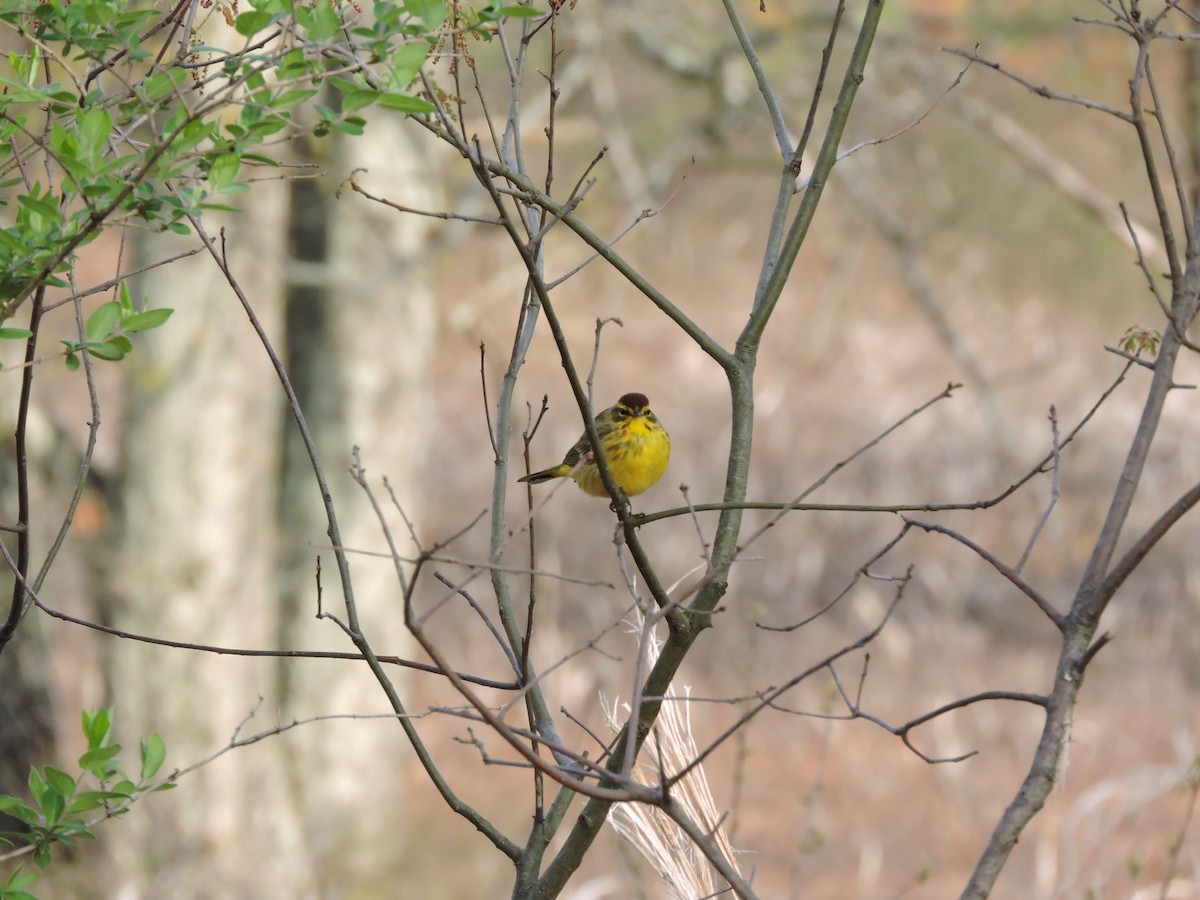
(768, 697)
(872, 142)
(863, 570)
(782, 138)
(1040, 90)
(433, 214)
(643, 215)
(1054, 484)
(591, 376)
(240, 651)
(705, 546)
(1000, 566)
(818, 89)
(1180, 330)
(487, 622)
(1177, 176)
(902, 731)
(124, 276)
(487, 413)
(1038, 469)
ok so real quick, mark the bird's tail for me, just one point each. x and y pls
(559, 471)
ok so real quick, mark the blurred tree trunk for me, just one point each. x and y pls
(359, 328)
(31, 706)
(193, 559)
(220, 523)
(27, 707)
(1191, 109)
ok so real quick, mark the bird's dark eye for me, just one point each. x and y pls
(621, 413)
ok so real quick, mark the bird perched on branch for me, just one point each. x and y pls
(636, 448)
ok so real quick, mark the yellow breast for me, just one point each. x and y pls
(637, 454)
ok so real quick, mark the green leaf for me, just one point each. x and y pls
(9, 242)
(66, 148)
(94, 128)
(42, 206)
(407, 61)
(72, 362)
(60, 781)
(223, 169)
(26, 814)
(107, 351)
(431, 12)
(294, 64)
(251, 23)
(37, 785)
(358, 98)
(320, 22)
(145, 320)
(9, 803)
(101, 322)
(97, 726)
(98, 761)
(21, 96)
(519, 12)
(406, 104)
(154, 752)
(159, 85)
(291, 98)
(67, 832)
(353, 125)
(125, 300)
(53, 803)
(193, 134)
(268, 127)
(19, 881)
(86, 801)
(15, 334)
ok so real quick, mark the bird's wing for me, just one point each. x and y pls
(582, 449)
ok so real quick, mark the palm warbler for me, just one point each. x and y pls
(636, 448)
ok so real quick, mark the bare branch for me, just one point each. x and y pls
(863, 570)
(1040, 90)
(1054, 484)
(782, 138)
(767, 698)
(1007, 571)
(239, 651)
(817, 91)
(433, 214)
(872, 142)
(1038, 469)
(903, 731)
(1134, 556)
